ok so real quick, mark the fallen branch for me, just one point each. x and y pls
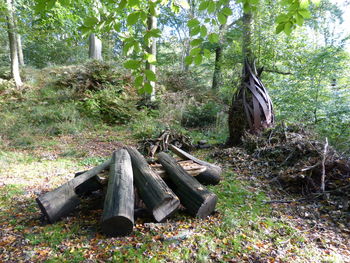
(324, 165)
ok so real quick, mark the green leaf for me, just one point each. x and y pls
(213, 38)
(196, 42)
(195, 30)
(211, 6)
(195, 51)
(288, 28)
(226, 11)
(128, 47)
(122, 4)
(90, 21)
(138, 81)
(282, 18)
(65, 2)
(206, 53)
(203, 31)
(192, 23)
(188, 60)
(151, 58)
(132, 18)
(203, 5)
(148, 88)
(198, 59)
(155, 32)
(299, 19)
(280, 28)
(222, 18)
(117, 26)
(133, 3)
(50, 4)
(150, 75)
(305, 13)
(304, 4)
(132, 64)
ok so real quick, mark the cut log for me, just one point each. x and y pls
(198, 201)
(191, 167)
(91, 185)
(118, 212)
(61, 201)
(211, 176)
(157, 196)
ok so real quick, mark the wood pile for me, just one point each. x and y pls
(162, 187)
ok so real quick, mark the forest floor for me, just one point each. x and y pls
(246, 227)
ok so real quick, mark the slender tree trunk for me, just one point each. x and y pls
(152, 49)
(13, 44)
(247, 37)
(95, 47)
(20, 50)
(217, 76)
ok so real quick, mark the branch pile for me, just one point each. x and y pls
(292, 158)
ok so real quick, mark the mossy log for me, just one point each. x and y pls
(157, 196)
(198, 201)
(62, 200)
(210, 176)
(118, 212)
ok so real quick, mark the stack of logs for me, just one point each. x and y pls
(162, 187)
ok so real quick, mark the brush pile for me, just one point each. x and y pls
(292, 158)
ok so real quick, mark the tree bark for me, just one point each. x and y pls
(20, 50)
(13, 44)
(61, 201)
(95, 47)
(156, 195)
(194, 197)
(217, 76)
(118, 212)
(91, 185)
(152, 49)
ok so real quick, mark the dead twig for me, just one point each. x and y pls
(325, 150)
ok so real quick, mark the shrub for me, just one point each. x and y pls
(200, 115)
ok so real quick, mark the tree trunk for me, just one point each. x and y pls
(20, 50)
(13, 44)
(217, 76)
(152, 49)
(194, 197)
(64, 199)
(95, 47)
(237, 122)
(118, 212)
(156, 195)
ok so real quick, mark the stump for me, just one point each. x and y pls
(118, 212)
(198, 201)
(157, 196)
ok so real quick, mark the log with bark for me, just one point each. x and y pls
(61, 201)
(210, 176)
(156, 195)
(198, 201)
(89, 186)
(118, 212)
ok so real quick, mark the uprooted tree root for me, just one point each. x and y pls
(294, 159)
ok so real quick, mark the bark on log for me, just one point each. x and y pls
(156, 195)
(64, 199)
(118, 212)
(211, 176)
(91, 185)
(190, 167)
(198, 201)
